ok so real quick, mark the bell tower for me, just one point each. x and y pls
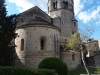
(54, 5)
(64, 9)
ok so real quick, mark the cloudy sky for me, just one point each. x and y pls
(87, 12)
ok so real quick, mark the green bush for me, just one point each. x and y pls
(54, 63)
(26, 71)
(98, 69)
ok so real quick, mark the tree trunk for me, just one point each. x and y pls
(83, 60)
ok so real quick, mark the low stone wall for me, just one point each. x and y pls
(93, 60)
(97, 60)
(72, 61)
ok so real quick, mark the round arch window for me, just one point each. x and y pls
(42, 43)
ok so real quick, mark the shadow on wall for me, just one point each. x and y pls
(18, 61)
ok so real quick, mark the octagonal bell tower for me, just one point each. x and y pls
(64, 10)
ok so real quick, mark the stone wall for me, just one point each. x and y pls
(71, 62)
(66, 24)
(32, 53)
(97, 60)
(94, 60)
(57, 22)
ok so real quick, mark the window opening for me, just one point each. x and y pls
(42, 42)
(74, 24)
(73, 57)
(72, 32)
(65, 4)
(48, 9)
(55, 5)
(22, 44)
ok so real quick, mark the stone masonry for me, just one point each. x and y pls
(39, 34)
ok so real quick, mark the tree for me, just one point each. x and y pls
(7, 28)
(76, 43)
(73, 41)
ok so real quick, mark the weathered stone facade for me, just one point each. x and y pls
(39, 34)
(32, 50)
(71, 59)
(65, 13)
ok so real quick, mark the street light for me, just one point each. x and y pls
(13, 55)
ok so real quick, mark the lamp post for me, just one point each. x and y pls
(13, 56)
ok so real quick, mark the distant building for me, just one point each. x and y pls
(91, 46)
(93, 56)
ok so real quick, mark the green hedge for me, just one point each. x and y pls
(25, 71)
(54, 63)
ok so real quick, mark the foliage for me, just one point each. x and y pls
(73, 41)
(54, 63)
(26, 71)
(7, 28)
(98, 69)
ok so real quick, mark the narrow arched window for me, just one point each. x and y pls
(72, 32)
(42, 43)
(55, 5)
(22, 44)
(73, 57)
(74, 24)
(48, 9)
(65, 4)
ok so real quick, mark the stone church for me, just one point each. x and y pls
(39, 34)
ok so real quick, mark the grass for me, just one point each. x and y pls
(82, 71)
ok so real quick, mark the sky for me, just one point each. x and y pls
(87, 12)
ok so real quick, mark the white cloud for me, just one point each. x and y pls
(98, 2)
(88, 1)
(26, 4)
(91, 14)
(78, 6)
(22, 4)
(88, 11)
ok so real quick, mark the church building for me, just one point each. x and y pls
(39, 34)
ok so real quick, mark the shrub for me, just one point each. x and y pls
(98, 69)
(25, 71)
(54, 63)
